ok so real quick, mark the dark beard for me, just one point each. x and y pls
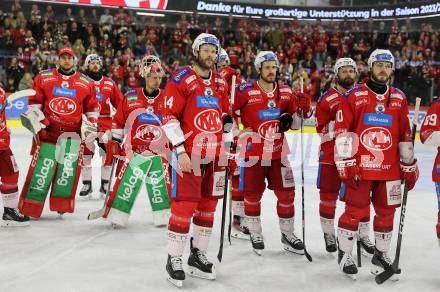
(94, 75)
(346, 83)
(374, 79)
(66, 73)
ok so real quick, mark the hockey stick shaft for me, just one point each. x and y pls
(385, 275)
(309, 258)
(225, 192)
(98, 213)
(222, 232)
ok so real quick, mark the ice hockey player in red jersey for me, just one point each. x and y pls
(373, 154)
(328, 181)
(137, 126)
(267, 110)
(196, 109)
(225, 70)
(430, 135)
(8, 174)
(109, 96)
(61, 115)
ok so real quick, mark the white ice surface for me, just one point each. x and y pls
(73, 254)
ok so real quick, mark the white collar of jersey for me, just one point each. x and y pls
(269, 93)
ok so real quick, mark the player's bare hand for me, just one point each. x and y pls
(185, 162)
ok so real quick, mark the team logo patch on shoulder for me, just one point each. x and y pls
(396, 95)
(360, 93)
(190, 79)
(46, 72)
(131, 92)
(84, 79)
(180, 75)
(132, 97)
(331, 97)
(219, 80)
(254, 92)
(242, 87)
(108, 83)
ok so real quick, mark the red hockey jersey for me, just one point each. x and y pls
(379, 123)
(64, 99)
(140, 118)
(227, 73)
(326, 109)
(260, 111)
(5, 138)
(107, 93)
(430, 125)
(200, 106)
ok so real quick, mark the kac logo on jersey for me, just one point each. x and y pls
(208, 121)
(66, 92)
(376, 138)
(205, 101)
(378, 120)
(148, 133)
(269, 130)
(62, 106)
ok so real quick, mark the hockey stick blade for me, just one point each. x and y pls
(385, 275)
(308, 256)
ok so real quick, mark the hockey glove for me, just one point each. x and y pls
(112, 149)
(89, 129)
(34, 120)
(348, 172)
(409, 172)
(304, 102)
(285, 122)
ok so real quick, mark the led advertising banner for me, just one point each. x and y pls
(430, 8)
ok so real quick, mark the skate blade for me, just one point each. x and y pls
(240, 235)
(177, 283)
(258, 252)
(292, 250)
(11, 223)
(194, 272)
(377, 270)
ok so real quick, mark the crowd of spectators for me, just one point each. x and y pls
(31, 34)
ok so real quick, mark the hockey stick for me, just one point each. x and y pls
(385, 275)
(309, 258)
(359, 252)
(17, 95)
(225, 192)
(98, 213)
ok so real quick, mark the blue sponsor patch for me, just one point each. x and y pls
(66, 92)
(204, 101)
(378, 120)
(437, 167)
(99, 96)
(242, 87)
(270, 114)
(149, 118)
(131, 92)
(180, 75)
